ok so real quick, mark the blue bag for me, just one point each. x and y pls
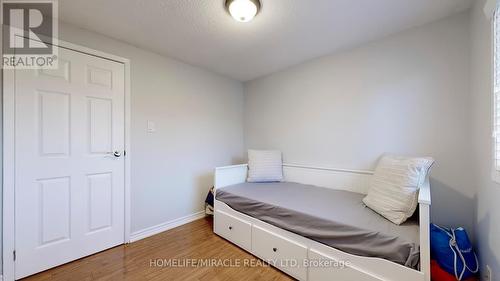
(452, 250)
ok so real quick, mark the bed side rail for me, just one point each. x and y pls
(424, 201)
(229, 175)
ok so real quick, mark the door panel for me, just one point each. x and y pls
(54, 198)
(100, 201)
(100, 77)
(53, 123)
(100, 123)
(61, 72)
(69, 186)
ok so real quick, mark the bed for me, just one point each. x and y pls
(300, 225)
(336, 218)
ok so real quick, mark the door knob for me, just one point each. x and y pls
(117, 153)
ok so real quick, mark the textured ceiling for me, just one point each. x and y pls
(284, 33)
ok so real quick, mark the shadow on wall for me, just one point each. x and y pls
(204, 182)
(451, 208)
(239, 160)
(485, 226)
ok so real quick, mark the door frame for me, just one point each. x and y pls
(8, 198)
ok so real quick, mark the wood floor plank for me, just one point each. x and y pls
(195, 240)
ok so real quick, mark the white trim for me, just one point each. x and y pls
(231, 167)
(424, 193)
(424, 203)
(364, 172)
(495, 175)
(150, 231)
(9, 157)
(8, 226)
(489, 8)
(128, 151)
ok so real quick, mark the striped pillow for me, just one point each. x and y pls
(264, 166)
(393, 191)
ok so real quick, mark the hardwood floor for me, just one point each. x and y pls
(195, 240)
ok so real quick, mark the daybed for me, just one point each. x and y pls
(314, 226)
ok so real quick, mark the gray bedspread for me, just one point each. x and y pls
(332, 217)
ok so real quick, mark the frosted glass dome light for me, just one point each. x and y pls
(243, 10)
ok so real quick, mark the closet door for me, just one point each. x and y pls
(69, 168)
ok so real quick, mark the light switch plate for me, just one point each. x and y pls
(151, 127)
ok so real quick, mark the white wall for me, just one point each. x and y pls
(198, 118)
(488, 192)
(406, 94)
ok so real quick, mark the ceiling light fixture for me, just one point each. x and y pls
(243, 10)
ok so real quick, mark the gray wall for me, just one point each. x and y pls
(488, 192)
(406, 94)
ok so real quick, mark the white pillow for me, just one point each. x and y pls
(264, 166)
(394, 187)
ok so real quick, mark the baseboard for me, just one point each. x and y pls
(150, 231)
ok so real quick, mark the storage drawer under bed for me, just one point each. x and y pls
(234, 229)
(280, 252)
(322, 267)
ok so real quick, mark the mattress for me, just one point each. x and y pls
(333, 217)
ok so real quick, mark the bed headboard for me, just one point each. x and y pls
(344, 179)
(351, 180)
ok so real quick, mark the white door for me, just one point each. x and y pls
(69, 186)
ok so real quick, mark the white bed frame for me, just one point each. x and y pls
(291, 253)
